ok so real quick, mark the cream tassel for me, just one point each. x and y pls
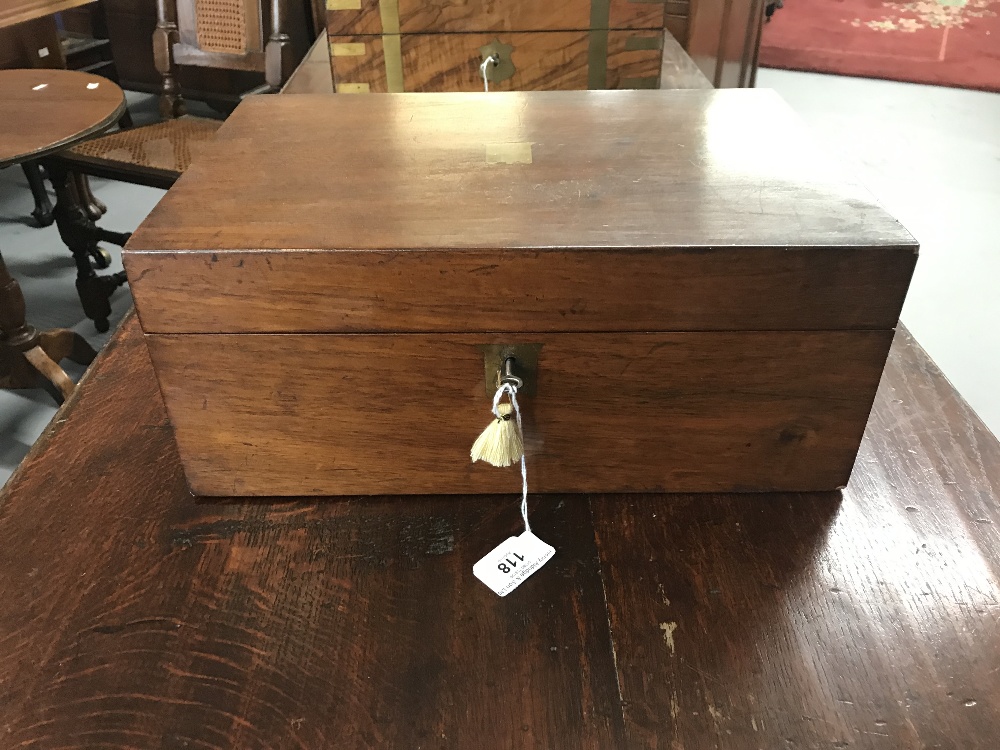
(501, 443)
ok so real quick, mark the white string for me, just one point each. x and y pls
(511, 390)
(482, 69)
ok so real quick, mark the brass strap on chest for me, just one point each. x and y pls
(597, 50)
(392, 50)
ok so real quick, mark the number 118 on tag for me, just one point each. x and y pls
(506, 565)
(512, 561)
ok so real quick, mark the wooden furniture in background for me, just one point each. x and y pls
(51, 110)
(718, 314)
(39, 43)
(384, 45)
(313, 76)
(224, 33)
(18, 11)
(131, 24)
(26, 353)
(436, 45)
(46, 111)
(32, 43)
(723, 38)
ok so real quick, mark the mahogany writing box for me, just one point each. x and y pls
(694, 303)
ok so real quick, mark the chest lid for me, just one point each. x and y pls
(534, 211)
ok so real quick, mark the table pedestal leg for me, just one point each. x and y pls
(81, 236)
(23, 350)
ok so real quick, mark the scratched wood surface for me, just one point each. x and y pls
(862, 621)
(426, 171)
(622, 412)
(636, 231)
(165, 621)
(136, 615)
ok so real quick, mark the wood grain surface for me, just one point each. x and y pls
(410, 176)
(45, 110)
(674, 412)
(136, 615)
(520, 291)
(544, 61)
(413, 172)
(422, 16)
(285, 631)
(866, 620)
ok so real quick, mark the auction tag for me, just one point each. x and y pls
(512, 561)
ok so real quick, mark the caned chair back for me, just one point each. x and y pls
(221, 33)
(234, 34)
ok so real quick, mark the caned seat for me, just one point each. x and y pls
(162, 151)
(239, 35)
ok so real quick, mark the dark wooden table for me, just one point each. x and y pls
(136, 615)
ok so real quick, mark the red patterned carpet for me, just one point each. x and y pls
(944, 42)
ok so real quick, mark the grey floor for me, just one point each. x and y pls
(930, 154)
(44, 268)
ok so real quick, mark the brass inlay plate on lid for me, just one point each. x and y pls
(347, 49)
(509, 153)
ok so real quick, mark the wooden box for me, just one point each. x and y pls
(439, 45)
(703, 307)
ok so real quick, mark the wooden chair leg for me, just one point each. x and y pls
(164, 37)
(43, 207)
(279, 61)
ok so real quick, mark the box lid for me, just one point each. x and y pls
(584, 210)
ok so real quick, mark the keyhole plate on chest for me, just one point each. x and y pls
(504, 67)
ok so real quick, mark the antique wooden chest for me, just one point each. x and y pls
(694, 304)
(439, 45)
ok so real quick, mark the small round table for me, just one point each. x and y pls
(46, 111)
